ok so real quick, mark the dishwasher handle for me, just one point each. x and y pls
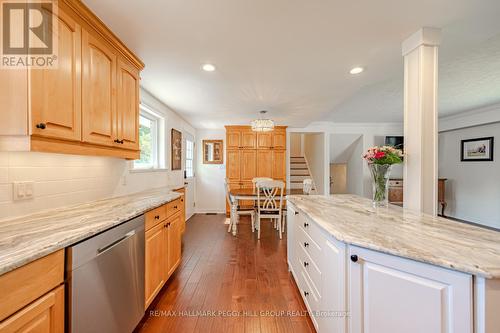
(103, 249)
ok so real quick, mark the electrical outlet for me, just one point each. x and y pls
(23, 190)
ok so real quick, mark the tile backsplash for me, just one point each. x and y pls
(61, 180)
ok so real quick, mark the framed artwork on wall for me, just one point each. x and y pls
(176, 150)
(213, 152)
(474, 150)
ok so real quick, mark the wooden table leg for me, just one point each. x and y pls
(234, 216)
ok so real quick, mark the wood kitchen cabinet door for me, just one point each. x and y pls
(45, 315)
(279, 165)
(279, 139)
(248, 139)
(264, 140)
(265, 163)
(56, 109)
(233, 139)
(248, 165)
(174, 232)
(98, 91)
(155, 254)
(233, 165)
(128, 105)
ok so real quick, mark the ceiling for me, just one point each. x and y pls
(293, 57)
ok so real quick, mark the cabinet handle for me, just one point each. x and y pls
(306, 293)
(175, 207)
(306, 225)
(296, 213)
(354, 258)
(157, 217)
(122, 141)
(306, 264)
(306, 244)
(117, 141)
(41, 126)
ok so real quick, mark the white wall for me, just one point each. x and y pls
(210, 192)
(472, 188)
(61, 180)
(296, 144)
(314, 152)
(355, 169)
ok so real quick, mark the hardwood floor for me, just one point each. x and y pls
(229, 284)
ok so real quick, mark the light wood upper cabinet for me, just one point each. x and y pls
(279, 139)
(174, 232)
(56, 93)
(99, 91)
(155, 255)
(248, 139)
(128, 105)
(233, 165)
(233, 139)
(248, 165)
(264, 140)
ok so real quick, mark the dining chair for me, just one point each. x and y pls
(240, 211)
(307, 185)
(255, 180)
(270, 203)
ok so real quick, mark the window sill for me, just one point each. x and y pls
(148, 170)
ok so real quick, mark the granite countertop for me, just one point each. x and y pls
(27, 238)
(352, 219)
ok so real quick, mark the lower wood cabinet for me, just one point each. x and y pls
(183, 208)
(351, 289)
(163, 246)
(42, 316)
(32, 297)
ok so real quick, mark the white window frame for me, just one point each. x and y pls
(191, 159)
(156, 137)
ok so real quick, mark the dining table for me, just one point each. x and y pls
(245, 194)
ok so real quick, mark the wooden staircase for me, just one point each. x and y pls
(299, 170)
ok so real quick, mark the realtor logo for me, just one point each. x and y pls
(29, 33)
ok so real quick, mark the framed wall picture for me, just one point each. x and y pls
(213, 152)
(176, 150)
(480, 149)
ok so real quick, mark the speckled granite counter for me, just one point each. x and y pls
(351, 219)
(27, 238)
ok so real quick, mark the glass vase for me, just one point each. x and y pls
(380, 181)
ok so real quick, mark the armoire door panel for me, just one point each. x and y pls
(56, 92)
(248, 139)
(265, 163)
(128, 105)
(99, 95)
(233, 139)
(264, 140)
(233, 165)
(279, 139)
(248, 165)
(279, 164)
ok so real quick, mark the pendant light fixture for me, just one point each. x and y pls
(262, 124)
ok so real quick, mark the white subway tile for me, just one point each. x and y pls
(4, 159)
(4, 175)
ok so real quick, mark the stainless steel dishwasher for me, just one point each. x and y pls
(105, 276)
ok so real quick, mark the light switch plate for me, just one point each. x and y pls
(23, 190)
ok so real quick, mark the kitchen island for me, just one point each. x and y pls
(391, 269)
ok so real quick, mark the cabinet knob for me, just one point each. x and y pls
(157, 217)
(116, 141)
(306, 264)
(306, 244)
(354, 258)
(296, 213)
(175, 207)
(41, 126)
(121, 141)
(306, 225)
(306, 293)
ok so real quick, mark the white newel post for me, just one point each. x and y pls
(420, 52)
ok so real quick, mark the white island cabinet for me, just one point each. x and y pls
(379, 293)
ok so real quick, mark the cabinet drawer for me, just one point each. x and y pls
(311, 299)
(174, 207)
(310, 268)
(308, 244)
(155, 216)
(22, 286)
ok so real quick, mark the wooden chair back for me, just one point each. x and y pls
(270, 196)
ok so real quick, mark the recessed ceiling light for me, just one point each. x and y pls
(356, 70)
(208, 67)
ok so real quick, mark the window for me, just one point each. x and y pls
(189, 158)
(149, 134)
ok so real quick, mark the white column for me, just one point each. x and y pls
(420, 52)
